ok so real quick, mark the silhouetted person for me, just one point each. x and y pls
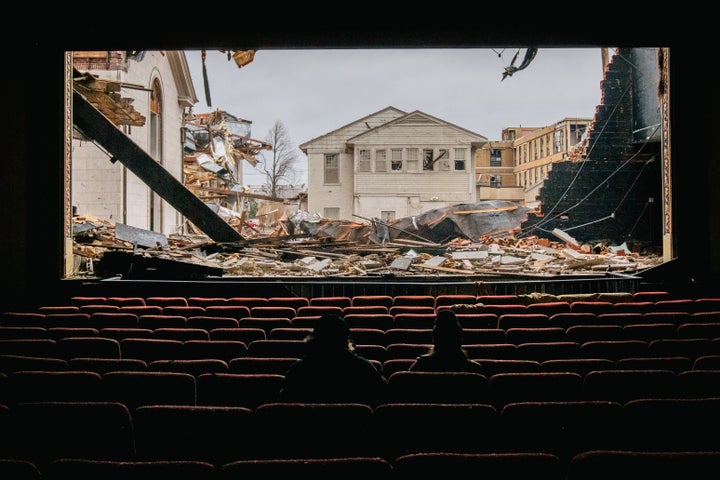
(447, 353)
(331, 371)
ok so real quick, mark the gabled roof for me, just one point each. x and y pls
(417, 117)
(363, 119)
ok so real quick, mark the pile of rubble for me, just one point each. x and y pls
(344, 249)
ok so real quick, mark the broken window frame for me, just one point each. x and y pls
(428, 160)
(396, 161)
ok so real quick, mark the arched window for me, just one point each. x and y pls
(155, 137)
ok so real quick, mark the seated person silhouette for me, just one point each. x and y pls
(447, 353)
(331, 371)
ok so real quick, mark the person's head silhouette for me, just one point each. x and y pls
(331, 333)
(447, 332)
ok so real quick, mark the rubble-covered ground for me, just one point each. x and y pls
(474, 240)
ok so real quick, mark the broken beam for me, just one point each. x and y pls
(97, 127)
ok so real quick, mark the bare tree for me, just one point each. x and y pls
(281, 166)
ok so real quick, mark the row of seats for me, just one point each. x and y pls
(134, 388)
(294, 306)
(388, 301)
(41, 432)
(495, 346)
(381, 321)
(279, 365)
(589, 465)
(543, 410)
(522, 333)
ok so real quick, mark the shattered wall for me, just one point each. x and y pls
(613, 195)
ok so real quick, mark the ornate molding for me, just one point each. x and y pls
(67, 153)
(664, 94)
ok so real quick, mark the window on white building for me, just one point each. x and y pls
(412, 159)
(396, 162)
(363, 161)
(381, 160)
(444, 159)
(331, 213)
(428, 159)
(156, 151)
(460, 159)
(331, 171)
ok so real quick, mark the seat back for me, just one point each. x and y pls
(184, 432)
(413, 320)
(210, 322)
(538, 466)
(335, 301)
(88, 347)
(260, 365)
(241, 334)
(625, 385)
(667, 424)
(238, 390)
(135, 389)
(181, 333)
(88, 469)
(52, 386)
(562, 428)
(630, 465)
(155, 321)
(45, 431)
(167, 301)
(227, 311)
(17, 469)
(224, 350)
(194, 367)
(348, 467)
(150, 349)
(407, 428)
(314, 430)
(437, 387)
(365, 300)
(14, 363)
(103, 365)
(277, 348)
(508, 388)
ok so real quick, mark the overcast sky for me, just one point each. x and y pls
(314, 92)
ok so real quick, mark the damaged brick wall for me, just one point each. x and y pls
(613, 195)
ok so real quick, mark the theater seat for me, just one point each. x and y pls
(631, 465)
(516, 466)
(350, 467)
(84, 469)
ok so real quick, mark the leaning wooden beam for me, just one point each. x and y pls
(101, 130)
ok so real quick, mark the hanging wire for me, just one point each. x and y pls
(548, 216)
(612, 215)
(637, 220)
(637, 177)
